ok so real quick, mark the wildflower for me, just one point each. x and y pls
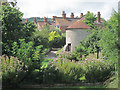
(53, 64)
(85, 62)
(15, 64)
(14, 61)
(86, 59)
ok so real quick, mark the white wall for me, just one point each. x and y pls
(74, 36)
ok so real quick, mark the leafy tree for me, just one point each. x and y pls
(41, 37)
(55, 38)
(89, 19)
(12, 27)
(109, 38)
(48, 37)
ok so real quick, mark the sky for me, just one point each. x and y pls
(49, 8)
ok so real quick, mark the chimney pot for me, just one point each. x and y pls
(81, 15)
(98, 17)
(53, 19)
(72, 15)
(64, 14)
(26, 20)
(45, 19)
(35, 20)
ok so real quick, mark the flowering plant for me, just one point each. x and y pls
(12, 69)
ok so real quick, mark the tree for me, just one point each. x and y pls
(89, 19)
(109, 38)
(12, 28)
(90, 44)
(41, 37)
(55, 38)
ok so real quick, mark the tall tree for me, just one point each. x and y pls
(12, 27)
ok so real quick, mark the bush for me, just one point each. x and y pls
(69, 72)
(30, 55)
(13, 70)
(97, 70)
(49, 73)
(67, 55)
(56, 39)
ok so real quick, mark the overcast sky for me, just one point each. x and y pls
(49, 8)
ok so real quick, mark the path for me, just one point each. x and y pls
(51, 55)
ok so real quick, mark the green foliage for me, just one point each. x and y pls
(53, 36)
(55, 39)
(50, 74)
(11, 25)
(94, 70)
(69, 72)
(67, 55)
(41, 37)
(13, 29)
(30, 55)
(89, 45)
(109, 38)
(112, 82)
(80, 51)
(49, 37)
(97, 70)
(89, 19)
(12, 70)
(28, 29)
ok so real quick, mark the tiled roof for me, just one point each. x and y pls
(64, 22)
(79, 24)
(41, 24)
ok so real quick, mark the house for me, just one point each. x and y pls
(78, 31)
(63, 22)
(74, 27)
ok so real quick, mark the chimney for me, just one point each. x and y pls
(35, 20)
(53, 19)
(45, 19)
(98, 17)
(72, 15)
(81, 15)
(64, 14)
(26, 20)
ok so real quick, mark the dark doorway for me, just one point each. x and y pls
(69, 47)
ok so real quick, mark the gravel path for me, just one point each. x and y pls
(51, 55)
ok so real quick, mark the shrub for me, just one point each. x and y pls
(50, 73)
(97, 70)
(67, 55)
(69, 72)
(30, 55)
(13, 70)
(56, 39)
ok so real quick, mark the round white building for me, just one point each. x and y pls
(74, 33)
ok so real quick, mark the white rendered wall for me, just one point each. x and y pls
(74, 36)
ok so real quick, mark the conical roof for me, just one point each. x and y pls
(79, 25)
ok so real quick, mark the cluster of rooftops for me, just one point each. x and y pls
(64, 23)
